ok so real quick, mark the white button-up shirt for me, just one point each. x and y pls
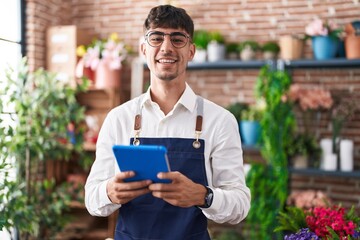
(223, 152)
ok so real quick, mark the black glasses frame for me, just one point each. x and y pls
(163, 38)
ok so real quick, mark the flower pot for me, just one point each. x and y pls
(352, 47)
(324, 47)
(247, 54)
(200, 55)
(291, 48)
(300, 161)
(215, 52)
(105, 77)
(250, 132)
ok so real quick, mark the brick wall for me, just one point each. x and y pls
(261, 20)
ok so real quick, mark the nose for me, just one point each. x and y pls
(166, 46)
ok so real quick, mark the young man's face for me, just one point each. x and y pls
(167, 59)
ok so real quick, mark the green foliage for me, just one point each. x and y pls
(271, 47)
(42, 109)
(216, 36)
(292, 220)
(304, 145)
(201, 39)
(237, 108)
(232, 48)
(269, 183)
(249, 43)
(229, 235)
(252, 113)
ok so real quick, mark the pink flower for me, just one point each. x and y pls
(316, 28)
(310, 99)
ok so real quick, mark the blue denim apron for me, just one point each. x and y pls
(147, 217)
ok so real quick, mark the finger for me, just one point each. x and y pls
(169, 175)
(119, 177)
(130, 186)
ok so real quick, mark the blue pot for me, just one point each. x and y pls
(324, 47)
(250, 132)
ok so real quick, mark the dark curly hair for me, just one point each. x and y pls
(168, 16)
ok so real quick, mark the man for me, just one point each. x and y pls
(202, 138)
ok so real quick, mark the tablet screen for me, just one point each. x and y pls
(145, 160)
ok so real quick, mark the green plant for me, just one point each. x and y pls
(201, 39)
(229, 235)
(253, 45)
(237, 108)
(305, 145)
(216, 36)
(270, 47)
(232, 48)
(252, 113)
(44, 125)
(269, 182)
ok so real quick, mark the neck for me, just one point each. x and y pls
(166, 94)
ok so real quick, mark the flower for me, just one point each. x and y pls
(303, 234)
(322, 222)
(310, 99)
(112, 50)
(308, 199)
(319, 28)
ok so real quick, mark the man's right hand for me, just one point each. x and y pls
(121, 192)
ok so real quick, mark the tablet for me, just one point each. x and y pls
(145, 160)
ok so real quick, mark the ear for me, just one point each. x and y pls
(192, 50)
(143, 49)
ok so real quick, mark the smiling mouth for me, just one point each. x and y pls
(166, 61)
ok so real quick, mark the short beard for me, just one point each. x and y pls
(166, 77)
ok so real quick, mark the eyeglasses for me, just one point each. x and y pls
(177, 39)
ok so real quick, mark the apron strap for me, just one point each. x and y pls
(199, 120)
(198, 126)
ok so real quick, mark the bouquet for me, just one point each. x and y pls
(332, 222)
(111, 50)
(321, 28)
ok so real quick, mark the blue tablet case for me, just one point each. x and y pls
(145, 160)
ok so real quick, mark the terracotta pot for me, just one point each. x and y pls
(105, 77)
(352, 47)
(291, 47)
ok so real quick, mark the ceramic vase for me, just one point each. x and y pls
(215, 52)
(291, 47)
(105, 77)
(250, 132)
(352, 47)
(324, 47)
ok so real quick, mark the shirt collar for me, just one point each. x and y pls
(187, 99)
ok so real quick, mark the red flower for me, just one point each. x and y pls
(319, 218)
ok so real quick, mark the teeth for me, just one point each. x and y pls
(166, 61)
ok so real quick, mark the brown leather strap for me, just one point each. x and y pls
(137, 124)
(199, 120)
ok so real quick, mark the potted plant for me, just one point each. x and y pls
(325, 38)
(43, 129)
(236, 109)
(291, 47)
(303, 151)
(201, 40)
(216, 46)
(250, 125)
(232, 51)
(270, 50)
(248, 50)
